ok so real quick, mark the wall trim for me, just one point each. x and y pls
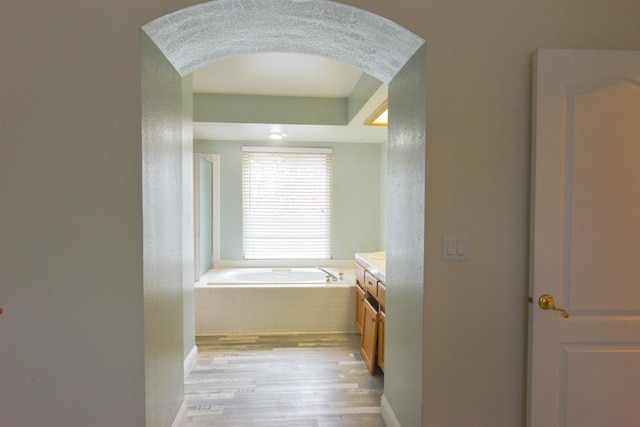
(387, 414)
(190, 361)
(181, 418)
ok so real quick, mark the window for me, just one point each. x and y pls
(286, 203)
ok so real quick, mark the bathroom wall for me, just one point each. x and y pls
(163, 234)
(356, 195)
(188, 259)
(383, 195)
(205, 206)
(405, 250)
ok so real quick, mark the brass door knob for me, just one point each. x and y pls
(547, 302)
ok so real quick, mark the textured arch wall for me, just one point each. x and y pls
(190, 38)
(202, 34)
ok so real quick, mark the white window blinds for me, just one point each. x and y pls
(286, 203)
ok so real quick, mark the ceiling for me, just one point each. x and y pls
(289, 75)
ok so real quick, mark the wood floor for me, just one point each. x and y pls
(293, 380)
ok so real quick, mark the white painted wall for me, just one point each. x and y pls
(71, 216)
(478, 155)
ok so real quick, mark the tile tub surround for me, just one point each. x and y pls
(246, 308)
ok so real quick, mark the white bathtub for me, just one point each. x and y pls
(274, 300)
(277, 275)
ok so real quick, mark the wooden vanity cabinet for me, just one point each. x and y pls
(361, 296)
(370, 300)
(382, 294)
(369, 338)
(381, 317)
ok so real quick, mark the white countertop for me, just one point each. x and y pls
(375, 262)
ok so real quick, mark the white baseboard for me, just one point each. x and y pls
(190, 361)
(387, 414)
(181, 418)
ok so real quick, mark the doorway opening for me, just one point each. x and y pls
(350, 35)
(206, 212)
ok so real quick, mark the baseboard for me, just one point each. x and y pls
(181, 418)
(190, 361)
(387, 414)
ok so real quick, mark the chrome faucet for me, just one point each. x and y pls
(333, 276)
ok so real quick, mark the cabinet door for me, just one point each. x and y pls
(381, 318)
(360, 297)
(369, 336)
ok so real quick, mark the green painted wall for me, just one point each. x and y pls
(405, 250)
(209, 107)
(383, 194)
(188, 259)
(162, 207)
(356, 195)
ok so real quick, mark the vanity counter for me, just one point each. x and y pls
(374, 262)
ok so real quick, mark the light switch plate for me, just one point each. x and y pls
(454, 248)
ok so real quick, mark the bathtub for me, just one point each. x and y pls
(286, 277)
(274, 300)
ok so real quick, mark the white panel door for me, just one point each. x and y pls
(584, 369)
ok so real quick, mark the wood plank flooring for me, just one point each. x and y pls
(314, 380)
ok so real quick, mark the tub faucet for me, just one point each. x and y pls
(333, 276)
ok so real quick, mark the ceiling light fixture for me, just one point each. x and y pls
(276, 136)
(380, 116)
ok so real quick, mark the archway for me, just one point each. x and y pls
(175, 45)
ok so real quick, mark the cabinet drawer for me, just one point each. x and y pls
(382, 291)
(370, 284)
